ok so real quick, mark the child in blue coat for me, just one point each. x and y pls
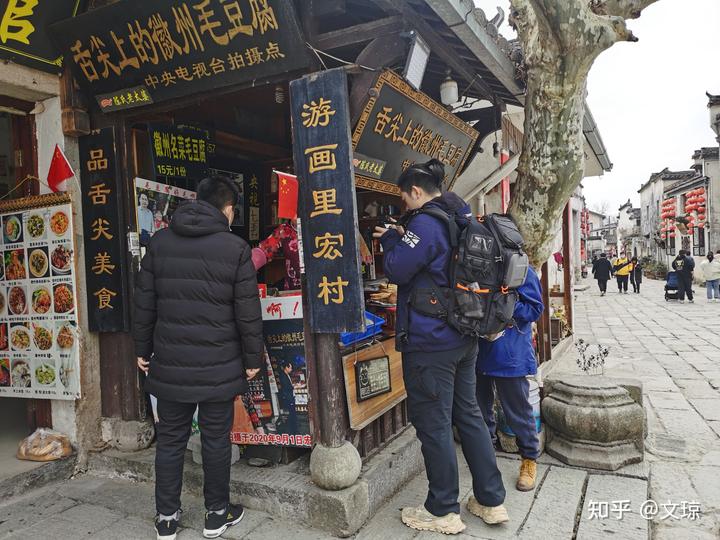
(502, 367)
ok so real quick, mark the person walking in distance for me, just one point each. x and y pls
(502, 368)
(622, 269)
(602, 270)
(438, 362)
(684, 265)
(710, 271)
(636, 276)
(198, 338)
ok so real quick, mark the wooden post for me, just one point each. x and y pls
(544, 332)
(332, 411)
(567, 264)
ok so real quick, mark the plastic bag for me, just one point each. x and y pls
(44, 445)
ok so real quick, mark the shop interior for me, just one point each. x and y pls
(250, 136)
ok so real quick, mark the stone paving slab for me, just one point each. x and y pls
(597, 524)
(557, 502)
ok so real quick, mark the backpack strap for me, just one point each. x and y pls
(491, 225)
(441, 308)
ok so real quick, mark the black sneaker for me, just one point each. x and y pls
(166, 528)
(216, 524)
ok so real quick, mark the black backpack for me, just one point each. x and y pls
(487, 267)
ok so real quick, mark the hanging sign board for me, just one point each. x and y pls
(400, 126)
(24, 31)
(327, 206)
(166, 49)
(105, 260)
(180, 151)
(39, 339)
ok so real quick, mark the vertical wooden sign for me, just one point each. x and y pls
(105, 261)
(326, 203)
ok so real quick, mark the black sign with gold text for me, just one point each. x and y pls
(326, 202)
(165, 49)
(105, 261)
(24, 31)
(180, 151)
(400, 126)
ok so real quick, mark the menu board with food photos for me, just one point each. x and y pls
(39, 356)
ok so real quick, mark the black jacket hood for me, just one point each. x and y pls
(198, 218)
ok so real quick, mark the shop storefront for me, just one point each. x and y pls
(178, 92)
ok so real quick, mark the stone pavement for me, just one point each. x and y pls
(672, 348)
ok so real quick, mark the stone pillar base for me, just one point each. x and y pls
(335, 468)
(594, 456)
(594, 422)
(127, 435)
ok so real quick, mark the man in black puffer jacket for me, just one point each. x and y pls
(197, 314)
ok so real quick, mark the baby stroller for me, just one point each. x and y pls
(671, 286)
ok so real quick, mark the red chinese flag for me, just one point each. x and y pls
(60, 170)
(287, 195)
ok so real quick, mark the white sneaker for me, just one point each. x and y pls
(491, 515)
(420, 519)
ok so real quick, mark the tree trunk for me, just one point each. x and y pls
(561, 39)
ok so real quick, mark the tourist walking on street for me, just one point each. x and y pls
(622, 269)
(684, 265)
(438, 362)
(636, 276)
(198, 338)
(602, 270)
(710, 271)
(502, 368)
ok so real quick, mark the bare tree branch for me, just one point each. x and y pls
(627, 9)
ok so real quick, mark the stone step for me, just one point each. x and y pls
(286, 491)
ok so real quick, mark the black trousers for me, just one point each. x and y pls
(622, 282)
(635, 284)
(684, 285)
(602, 283)
(441, 392)
(514, 396)
(173, 431)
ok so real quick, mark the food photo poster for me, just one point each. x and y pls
(39, 356)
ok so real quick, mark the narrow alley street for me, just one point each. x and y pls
(671, 348)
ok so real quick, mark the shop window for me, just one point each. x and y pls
(699, 242)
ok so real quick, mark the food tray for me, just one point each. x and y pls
(374, 326)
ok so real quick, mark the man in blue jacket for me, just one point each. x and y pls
(438, 362)
(505, 363)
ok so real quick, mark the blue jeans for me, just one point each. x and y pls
(713, 287)
(514, 396)
(441, 392)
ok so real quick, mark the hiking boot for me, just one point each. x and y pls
(420, 519)
(166, 529)
(492, 515)
(528, 472)
(216, 524)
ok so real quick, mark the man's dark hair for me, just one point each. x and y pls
(603, 255)
(427, 176)
(219, 191)
(285, 364)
